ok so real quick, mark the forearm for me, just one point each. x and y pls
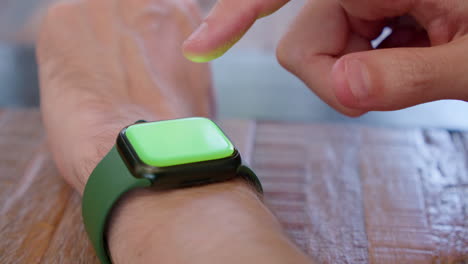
(217, 223)
(105, 65)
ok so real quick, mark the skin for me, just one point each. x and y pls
(105, 64)
(328, 47)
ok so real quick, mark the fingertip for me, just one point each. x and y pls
(204, 55)
(200, 58)
(193, 47)
(340, 84)
(351, 82)
(198, 51)
(205, 44)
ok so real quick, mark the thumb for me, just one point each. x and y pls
(391, 79)
(224, 26)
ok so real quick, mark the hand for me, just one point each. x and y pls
(328, 47)
(106, 64)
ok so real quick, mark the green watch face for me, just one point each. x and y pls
(179, 141)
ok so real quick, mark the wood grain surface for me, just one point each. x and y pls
(345, 194)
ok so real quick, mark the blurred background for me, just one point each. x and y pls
(250, 83)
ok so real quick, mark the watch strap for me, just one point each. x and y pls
(250, 176)
(107, 183)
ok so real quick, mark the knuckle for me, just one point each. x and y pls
(294, 56)
(415, 73)
(282, 55)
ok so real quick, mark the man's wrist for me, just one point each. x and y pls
(148, 225)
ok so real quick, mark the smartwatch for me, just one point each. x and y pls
(160, 155)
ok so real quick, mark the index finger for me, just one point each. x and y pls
(226, 23)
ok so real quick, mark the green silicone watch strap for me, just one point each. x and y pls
(248, 174)
(109, 180)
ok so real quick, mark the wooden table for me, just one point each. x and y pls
(345, 194)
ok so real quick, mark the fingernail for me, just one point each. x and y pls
(358, 79)
(213, 53)
(197, 34)
(201, 58)
(199, 31)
